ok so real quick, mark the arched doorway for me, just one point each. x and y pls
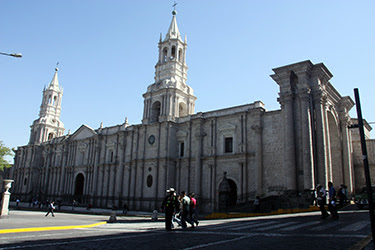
(79, 184)
(227, 193)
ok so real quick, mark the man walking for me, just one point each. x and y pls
(170, 205)
(185, 210)
(332, 201)
(51, 207)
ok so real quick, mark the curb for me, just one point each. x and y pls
(37, 229)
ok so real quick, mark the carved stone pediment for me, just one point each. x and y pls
(83, 132)
(181, 134)
(227, 127)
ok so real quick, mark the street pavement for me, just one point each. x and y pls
(93, 223)
(25, 217)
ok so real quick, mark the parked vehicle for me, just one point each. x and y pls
(362, 199)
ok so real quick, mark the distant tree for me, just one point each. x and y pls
(4, 151)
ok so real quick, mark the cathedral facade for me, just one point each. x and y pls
(226, 157)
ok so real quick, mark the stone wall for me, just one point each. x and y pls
(359, 171)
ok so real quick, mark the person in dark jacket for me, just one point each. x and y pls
(170, 205)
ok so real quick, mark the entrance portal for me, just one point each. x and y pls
(227, 193)
(79, 184)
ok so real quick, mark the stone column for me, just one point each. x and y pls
(307, 181)
(198, 160)
(348, 179)
(6, 198)
(286, 100)
(328, 143)
(321, 146)
(258, 156)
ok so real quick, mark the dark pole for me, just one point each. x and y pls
(365, 162)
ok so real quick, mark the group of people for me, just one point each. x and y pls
(180, 209)
(332, 201)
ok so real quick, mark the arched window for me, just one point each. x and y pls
(50, 136)
(49, 99)
(182, 109)
(149, 181)
(173, 54)
(155, 111)
(165, 54)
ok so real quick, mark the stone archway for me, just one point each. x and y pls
(79, 184)
(227, 193)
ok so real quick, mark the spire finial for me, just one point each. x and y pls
(174, 12)
(57, 66)
(126, 123)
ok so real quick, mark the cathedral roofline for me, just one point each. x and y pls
(302, 66)
(225, 111)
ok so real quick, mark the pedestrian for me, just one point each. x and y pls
(193, 209)
(51, 207)
(332, 201)
(185, 217)
(125, 209)
(341, 195)
(321, 197)
(170, 205)
(59, 204)
(257, 204)
(17, 202)
(74, 204)
(89, 206)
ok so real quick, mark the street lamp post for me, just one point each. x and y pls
(13, 54)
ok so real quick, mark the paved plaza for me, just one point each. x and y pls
(25, 228)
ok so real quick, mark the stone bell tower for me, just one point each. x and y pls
(169, 97)
(48, 125)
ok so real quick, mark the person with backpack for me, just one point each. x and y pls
(170, 205)
(51, 207)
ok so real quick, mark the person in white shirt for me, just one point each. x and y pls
(51, 207)
(321, 197)
(185, 210)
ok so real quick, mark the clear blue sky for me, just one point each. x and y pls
(108, 50)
